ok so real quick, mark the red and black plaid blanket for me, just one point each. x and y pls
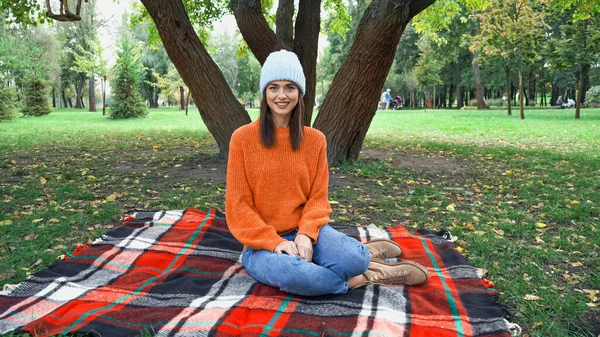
(178, 273)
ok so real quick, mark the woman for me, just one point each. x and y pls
(277, 204)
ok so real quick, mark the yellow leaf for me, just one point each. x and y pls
(43, 180)
(469, 226)
(37, 220)
(577, 264)
(333, 202)
(111, 197)
(575, 202)
(530, 297)
(539, 240)
(54, 220)
(37, 262)
(499, 232)
(5, 222)
(451, 207)
(592, 305)
(540, 225)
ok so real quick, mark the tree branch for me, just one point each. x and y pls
(254, 28)
(284, 22)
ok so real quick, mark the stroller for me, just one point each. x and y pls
(396, 103)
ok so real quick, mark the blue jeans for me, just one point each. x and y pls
(336, 258)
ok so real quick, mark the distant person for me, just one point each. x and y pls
(570, 103)
(559, 101)
(388, 98)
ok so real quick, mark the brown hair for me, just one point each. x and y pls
(267, 125)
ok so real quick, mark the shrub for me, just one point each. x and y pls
(35, 97)
(592, 97)
(127, 101)
(7, 104)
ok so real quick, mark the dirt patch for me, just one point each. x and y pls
(207, 165)
(415, 160)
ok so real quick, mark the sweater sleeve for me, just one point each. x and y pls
(243, 220)
(317, 209)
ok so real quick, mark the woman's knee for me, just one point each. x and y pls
(356, 258)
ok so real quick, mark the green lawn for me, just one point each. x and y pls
(522, 196)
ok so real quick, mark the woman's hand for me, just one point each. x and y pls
(305, 247)
(287, 247)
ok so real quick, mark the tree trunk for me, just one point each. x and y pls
(306, 46)
(103, 95)
(220, 110)
(459, 94)
(352, 100)
(181, 98)
(79, 94)
(521, 91)
(582, 76)
(481, 104)
(54, 98)
(92, 94)
(508, 89)
(64, 98)
(255, 28)
(284, 22)
(187, 102)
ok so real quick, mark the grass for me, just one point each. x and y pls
(522, 196)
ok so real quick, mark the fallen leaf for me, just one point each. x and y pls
(111, 197)
(333, 202)
(577, 264)
(6, 222)
(575, 202)
(37, 262)
(540, 225)
(31, 236)
(530, 297)
(43, 180)
(37, 220)
(469, 226)
(451, 207)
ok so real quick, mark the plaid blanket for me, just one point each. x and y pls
(178, 273)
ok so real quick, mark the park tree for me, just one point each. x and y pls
(93, 63)
(510, 30)
(427, 69)
(574, 45)
(127, 99)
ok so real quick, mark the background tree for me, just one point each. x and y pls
(427, 69)
(127, 100)
(510, 29)
(92, 63)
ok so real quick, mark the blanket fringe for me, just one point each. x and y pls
(7, 289)
(515, 329)
(445, 233)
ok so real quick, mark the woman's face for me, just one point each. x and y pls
(282, 98)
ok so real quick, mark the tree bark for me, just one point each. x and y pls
(54, 98)
(521, 91)
(254, 28)
(92, 94)
(306, 46)
(181, 98)
(284, 23)
(508, 102)
(218, 107)
(581, 87)
(79, 93)
(459, 94)
(64, 98)
(481, 104)
(103, 79)
(352, 100)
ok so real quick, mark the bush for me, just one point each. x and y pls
(592, 97)
(35, 98)
(7, 104)
(494, 102)
(127, 101)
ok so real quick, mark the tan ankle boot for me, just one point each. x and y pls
(403, 272)
(381, 249)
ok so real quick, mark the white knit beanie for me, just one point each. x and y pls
(279, 66)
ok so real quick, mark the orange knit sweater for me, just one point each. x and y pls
(272, 191)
